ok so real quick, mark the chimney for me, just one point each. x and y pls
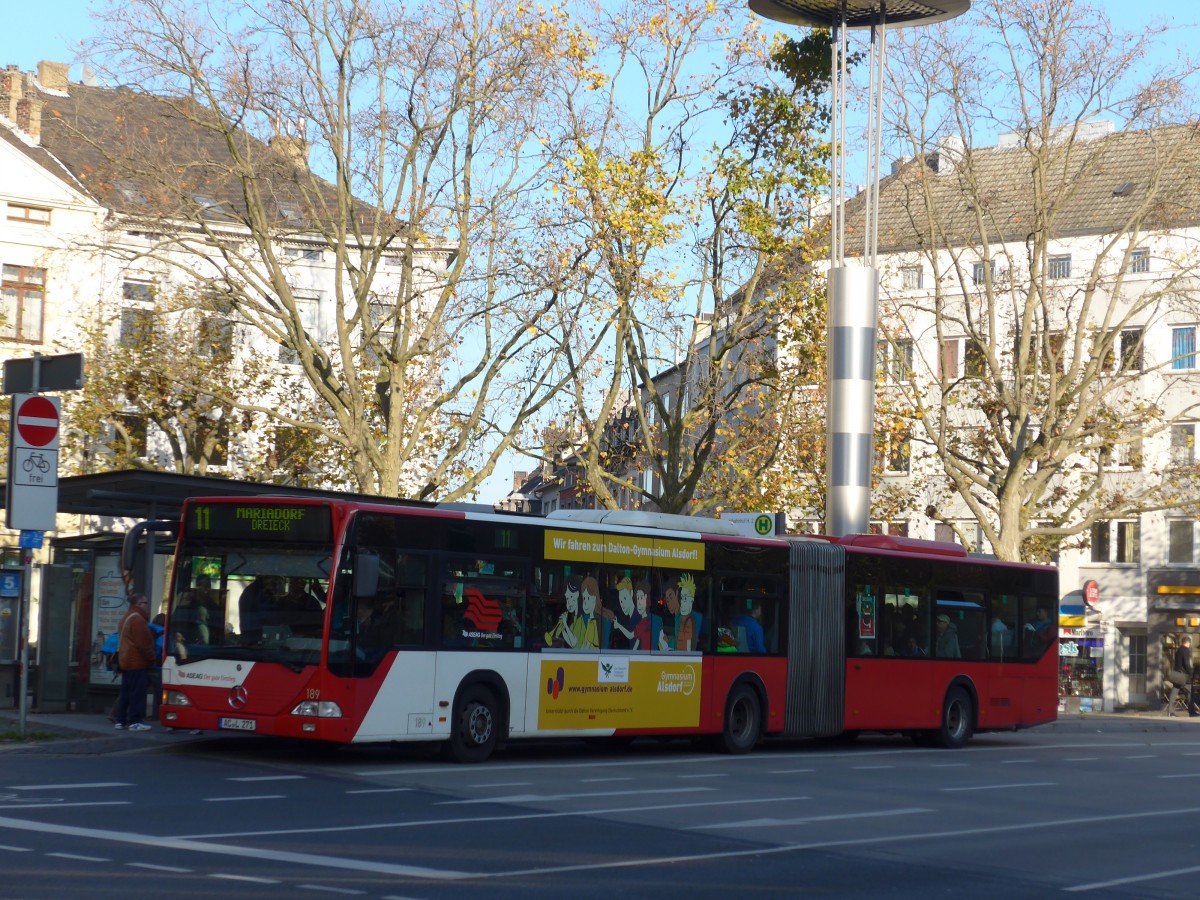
(53, 76)
(29, 115)
(11, 82)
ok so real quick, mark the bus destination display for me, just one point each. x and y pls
(262, 522)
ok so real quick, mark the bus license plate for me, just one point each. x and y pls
(237, 724)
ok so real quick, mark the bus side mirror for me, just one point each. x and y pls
(366, 573)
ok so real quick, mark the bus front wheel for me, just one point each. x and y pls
(476, 726)
(743, 721)
(956, 720)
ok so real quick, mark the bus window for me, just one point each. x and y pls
(907, 624)
(961, 624)
(1002, 632)
(483, 603)
(1038, 631)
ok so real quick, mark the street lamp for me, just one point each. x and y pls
(853, 292)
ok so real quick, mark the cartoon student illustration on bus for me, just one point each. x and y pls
(641, 616)
(593, 609)
(623, 621)
(568, 630)
(680, 601)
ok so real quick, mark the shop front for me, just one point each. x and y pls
(1173, 600)
(1080, 669)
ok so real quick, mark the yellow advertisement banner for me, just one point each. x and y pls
(623, 550)
(619, 692)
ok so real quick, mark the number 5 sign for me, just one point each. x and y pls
(33, 462)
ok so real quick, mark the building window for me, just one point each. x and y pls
(892, 452)
(215, 337)
(1139, 262)
(980, 271)
(1183, 347)
(130, 436)
(33, 215)
(1183, 443)
(894, 360)
(962, 357)
(912, 278)
(137, 326)
(307, 309)
(1181, 541)
(1131, 350)
(1059, 267)
(24, 294)
(311, 254)
(137, 291)
(1117, 542)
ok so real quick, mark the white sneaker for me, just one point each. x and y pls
(119, 726)
(139, 726)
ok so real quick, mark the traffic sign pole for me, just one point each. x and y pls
(33, 478)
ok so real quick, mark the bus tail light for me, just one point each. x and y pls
(321, 709)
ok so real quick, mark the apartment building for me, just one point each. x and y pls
(1039, 308)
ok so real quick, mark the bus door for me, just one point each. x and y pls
(888, 647)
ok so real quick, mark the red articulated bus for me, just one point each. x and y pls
(355, 622)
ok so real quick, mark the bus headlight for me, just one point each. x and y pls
(175, 698)
(320, 709)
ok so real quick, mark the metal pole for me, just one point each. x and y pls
(26, 591)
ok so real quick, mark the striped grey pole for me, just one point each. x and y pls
(853, 301)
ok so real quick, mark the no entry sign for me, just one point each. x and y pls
(33, 463)
(37, 422)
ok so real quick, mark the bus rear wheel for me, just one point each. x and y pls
(476, 726)
(956, 720)
(743, 721)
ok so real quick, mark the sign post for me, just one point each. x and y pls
(33, 470)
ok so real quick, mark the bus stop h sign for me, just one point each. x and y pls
(33, 462)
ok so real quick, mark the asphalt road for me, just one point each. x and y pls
(1103, 807)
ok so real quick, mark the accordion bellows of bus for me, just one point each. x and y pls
(356, 622)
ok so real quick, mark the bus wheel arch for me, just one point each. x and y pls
(479, 719)
(742, 723)
(959, 714)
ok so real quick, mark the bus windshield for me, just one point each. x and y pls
(249, 602)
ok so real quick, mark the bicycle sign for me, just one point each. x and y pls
(36, 461)
(33, 462)
(35, 467)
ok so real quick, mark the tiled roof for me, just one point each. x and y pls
(142, 155)
(1103, 183)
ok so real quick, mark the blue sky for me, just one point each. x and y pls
(53, 29)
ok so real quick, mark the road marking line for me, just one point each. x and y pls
(62, 855)
(871, 841)
(599, 780)
(502, 784)
(546, 798)
(515, 817)
(1001, 787)
(706, 775)
(809, 820)
(1144, 756)
(269, 778)
(255, 853)
(380, 791)
(249, 878)
(235, 799)
(1097, 885)
(1014, 762)
(870, 768)
(790, 771)
(69, 787)
(329, 890)
(1185, 775)
(947, 765)
(13, 849)
(35, 805)
(1081, 759)
(156, 868)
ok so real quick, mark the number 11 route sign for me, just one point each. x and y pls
(33, 462)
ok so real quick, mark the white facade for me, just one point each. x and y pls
(1153, 306)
